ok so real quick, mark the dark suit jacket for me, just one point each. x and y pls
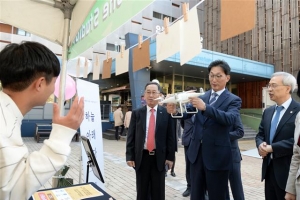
(188, 128)
(282, 144)
(212, 128)
(164, 137)
(236, 132)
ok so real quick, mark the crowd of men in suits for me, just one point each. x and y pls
(210, 141)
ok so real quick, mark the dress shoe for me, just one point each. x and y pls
(187, 192)
(173, 174)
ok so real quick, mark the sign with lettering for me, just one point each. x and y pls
(91, 126)
(104, 18)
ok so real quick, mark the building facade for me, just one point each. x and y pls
(274, 40)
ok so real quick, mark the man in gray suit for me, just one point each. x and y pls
(149, 161)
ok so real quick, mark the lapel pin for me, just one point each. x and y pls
(291, 112)
(160, 112)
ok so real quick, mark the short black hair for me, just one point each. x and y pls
(21, 63)
(220, 63)
(154, 83)
(129, 109)
(298, 82)
(190, 88)
(119, 107)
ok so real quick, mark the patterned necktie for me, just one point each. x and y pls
(275, 122)
(151, 132)
(213, 98)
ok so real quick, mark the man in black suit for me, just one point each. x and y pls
(275, 137)
(149, 161)
(235, 180)
(209, 151)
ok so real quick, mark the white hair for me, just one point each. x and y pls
(287, 79)
(155, 81)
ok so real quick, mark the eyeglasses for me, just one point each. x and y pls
(273, 85)
(151, 93)
(212, 76)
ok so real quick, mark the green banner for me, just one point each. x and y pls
(104, 18)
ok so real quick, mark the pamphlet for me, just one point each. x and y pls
(69, 193)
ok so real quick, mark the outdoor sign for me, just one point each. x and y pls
(91, 127)
(104, 18)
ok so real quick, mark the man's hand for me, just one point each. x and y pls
(289, 196)
(262, 149)
(269, 148)
(131, 163)
(198, 103)
(75, 116)
(169, 163)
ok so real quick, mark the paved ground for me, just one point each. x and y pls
(120, 179)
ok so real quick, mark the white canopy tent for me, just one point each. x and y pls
(55, 20)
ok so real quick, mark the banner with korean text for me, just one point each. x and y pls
(91, 127)
(104, 18)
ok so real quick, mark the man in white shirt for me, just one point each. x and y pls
(28, 72)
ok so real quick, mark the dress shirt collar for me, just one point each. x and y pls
(286, 104)
(6, 101)
(219, 92)
(149, 108)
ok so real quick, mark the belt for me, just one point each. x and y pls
(151, 153)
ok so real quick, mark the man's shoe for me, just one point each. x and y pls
(173, 174)
(187, 192)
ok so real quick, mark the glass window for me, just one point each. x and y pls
(157, 15)
(22, 32)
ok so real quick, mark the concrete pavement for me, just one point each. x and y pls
(120, 179)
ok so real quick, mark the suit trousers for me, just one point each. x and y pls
(235, 181)
(117, 131)
(272, 189)
(148, 176)
(187, 167)
(202, 179)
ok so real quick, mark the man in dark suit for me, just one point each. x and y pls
(188, 128)
(235, 180)
(148, 155)
(209, 151)
(275, 137)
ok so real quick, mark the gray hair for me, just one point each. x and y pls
(287, 79)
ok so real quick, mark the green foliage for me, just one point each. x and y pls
(62, 180)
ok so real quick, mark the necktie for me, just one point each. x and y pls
(213, 98)
(193, 118)
(275, 122)
(151, 132)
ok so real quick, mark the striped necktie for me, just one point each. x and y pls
(213, 98)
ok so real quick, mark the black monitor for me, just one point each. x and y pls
(92, 162)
